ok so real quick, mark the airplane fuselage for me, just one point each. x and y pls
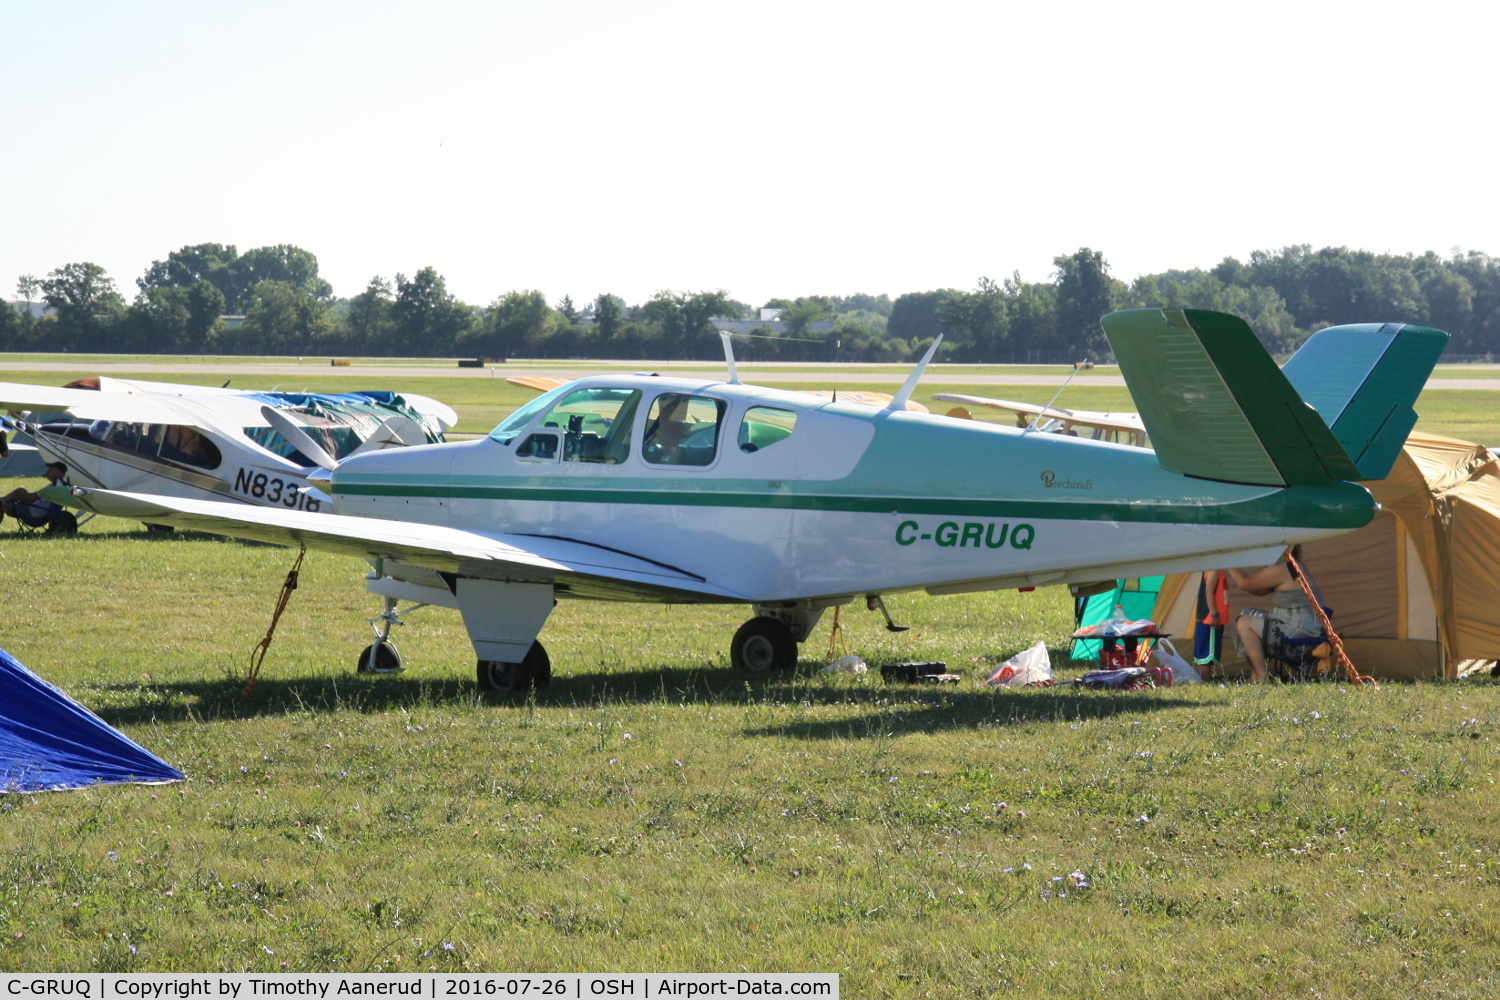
(852, 500)
(221, 467)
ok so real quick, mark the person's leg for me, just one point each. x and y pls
(1249, 629)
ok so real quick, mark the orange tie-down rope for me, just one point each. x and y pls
(1355, 677)
(258, 654)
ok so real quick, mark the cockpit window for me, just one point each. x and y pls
(185, 445)
(596, 424)
(542, 447)
(517, 421)
(764, 426)
(172, 442)
(683, 429)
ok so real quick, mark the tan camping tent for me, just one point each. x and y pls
(1416, 592)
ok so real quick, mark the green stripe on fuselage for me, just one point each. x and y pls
(1338, 506)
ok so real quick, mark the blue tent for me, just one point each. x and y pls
(49, 742)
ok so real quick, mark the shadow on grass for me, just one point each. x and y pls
(126, 532)
(928, 711)
(216, 699)
(918, 709)
(222, 698)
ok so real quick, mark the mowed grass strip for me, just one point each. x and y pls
(655, 810)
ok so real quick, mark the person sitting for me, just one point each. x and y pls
(1291, 615)
(664, 438)
(28, 507)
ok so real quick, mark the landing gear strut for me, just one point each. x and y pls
(877, 603)
(381, 656)
(763, 644)
(534, 672)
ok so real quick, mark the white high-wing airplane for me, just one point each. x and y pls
(213, 443)
(641, 488)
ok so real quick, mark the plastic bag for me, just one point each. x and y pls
(1182, 671)
(849, 664)
(1030, 666)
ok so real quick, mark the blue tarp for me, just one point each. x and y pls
(49, 742)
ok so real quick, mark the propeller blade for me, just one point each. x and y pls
(298, 438)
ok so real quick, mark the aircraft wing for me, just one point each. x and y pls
(582, 569)
(426, 405)
(877, 399)
(87, 404)
(540, 383)
(1078, 418)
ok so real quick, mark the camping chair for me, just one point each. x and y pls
(46, 517)
(1295, 660)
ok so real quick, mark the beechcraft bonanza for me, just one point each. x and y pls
(642, 488)
(212, 443)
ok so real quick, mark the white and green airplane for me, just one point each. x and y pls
(643, 488)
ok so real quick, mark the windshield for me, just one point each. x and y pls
(517, 421)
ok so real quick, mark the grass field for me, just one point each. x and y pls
(654, 810)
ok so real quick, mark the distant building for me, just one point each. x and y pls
(770, 315)
(38, 309)
(231, 322)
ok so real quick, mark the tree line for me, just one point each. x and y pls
(181, 305)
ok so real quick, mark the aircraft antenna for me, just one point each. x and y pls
(1032, 426)
(898, 401)
(734, 375)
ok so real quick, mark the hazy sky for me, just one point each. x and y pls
(765, 148)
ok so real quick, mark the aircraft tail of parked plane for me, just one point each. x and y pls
(671, 490)
(1217, 407)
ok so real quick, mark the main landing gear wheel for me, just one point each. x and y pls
(534, 672)
(763, 644)
(380, 658)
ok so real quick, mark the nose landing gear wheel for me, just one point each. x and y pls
(763, 644)
(534, 672)
(380, 658)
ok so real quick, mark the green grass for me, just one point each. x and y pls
(1296, 841)
(655, 810)
(1466, 371)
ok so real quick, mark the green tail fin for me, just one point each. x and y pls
(1215, 404)
(1363, 379)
